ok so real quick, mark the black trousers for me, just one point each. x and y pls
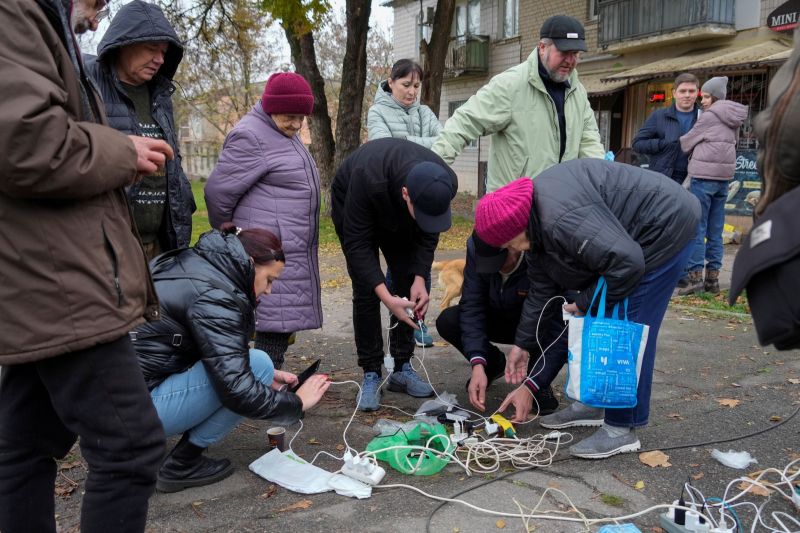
(99, 395)
(501, 328)
(367, 311)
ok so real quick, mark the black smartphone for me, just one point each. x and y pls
(305, 374)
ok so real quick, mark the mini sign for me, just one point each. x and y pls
(785, 17)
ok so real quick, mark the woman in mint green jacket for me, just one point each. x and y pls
(396, 111)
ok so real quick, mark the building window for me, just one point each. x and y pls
(468, 18)
(593, 9)
(510, 18)
(424, 28)
(451, 108)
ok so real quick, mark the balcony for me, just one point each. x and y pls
(467, 55)
(629, 24)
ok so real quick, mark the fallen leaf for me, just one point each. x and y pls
(735, 385)
(694, 465)
(271, 490)
(794, 381)
(675, 416)
(500, 524)
(639, 485)
(655, 458)
(313, 440)
(456, 530)
(340, 447)
(441, 344)
(774, 418)
(656, 529)
(697, 476)
(302, 504)
(755, 489)
(729, 402)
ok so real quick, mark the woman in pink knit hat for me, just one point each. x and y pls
(267, 179)
(579, 221)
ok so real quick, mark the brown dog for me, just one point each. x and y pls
(451, 277)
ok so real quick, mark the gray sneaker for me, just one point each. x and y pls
(601, 445)
(575, 415)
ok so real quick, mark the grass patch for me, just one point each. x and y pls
(612, 500)
(714, 302)
(454, 239)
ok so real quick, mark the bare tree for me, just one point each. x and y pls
(434, 54)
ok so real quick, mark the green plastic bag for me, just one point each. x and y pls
(413, 461)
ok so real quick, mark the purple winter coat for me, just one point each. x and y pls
(712, 141)
(266, 180)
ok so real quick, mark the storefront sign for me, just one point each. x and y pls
(744, 190)
(785, 17)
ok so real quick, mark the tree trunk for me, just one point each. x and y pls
(354, 75)
(434, 54)
(323, 146)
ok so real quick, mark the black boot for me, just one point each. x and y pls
(186, 467)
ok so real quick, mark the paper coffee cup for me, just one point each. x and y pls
(276, 438)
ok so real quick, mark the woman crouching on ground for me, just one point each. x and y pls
(196, 360)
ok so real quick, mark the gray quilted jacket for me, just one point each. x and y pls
(266, 180)
(388, 118)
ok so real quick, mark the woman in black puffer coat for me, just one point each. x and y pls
(196, 360)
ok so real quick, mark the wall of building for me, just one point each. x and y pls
(767, 6)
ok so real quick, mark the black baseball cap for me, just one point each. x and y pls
(431, 189)
(566, 32)
(488, 259)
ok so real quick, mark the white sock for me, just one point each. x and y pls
(616, 431)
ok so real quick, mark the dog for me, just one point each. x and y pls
(451, 278)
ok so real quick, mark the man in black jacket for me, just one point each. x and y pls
(494, 290)
(136, 60)
(394, 196)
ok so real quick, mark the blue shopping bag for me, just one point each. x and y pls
(605, 355)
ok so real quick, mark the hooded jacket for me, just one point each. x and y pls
(592, 218)
(368, 209)
(389, 118)
(517, 111)
(72, 271)
(265, 179)
(138, 22)
(212, 325)
(712, 141)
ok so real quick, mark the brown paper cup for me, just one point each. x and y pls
(276, 438)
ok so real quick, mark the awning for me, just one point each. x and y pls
(594, 85)
(736, 56)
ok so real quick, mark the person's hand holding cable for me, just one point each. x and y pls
(282, 380)
(516, 365)
(419, 296)
(396, 305)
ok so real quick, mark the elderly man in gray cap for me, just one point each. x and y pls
(537, 113)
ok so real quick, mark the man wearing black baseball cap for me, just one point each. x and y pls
(392, 196)
(517, 108)
(494, 291)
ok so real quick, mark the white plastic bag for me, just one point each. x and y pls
(293, 473)
(733, 459)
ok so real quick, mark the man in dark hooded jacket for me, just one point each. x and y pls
(136, 61)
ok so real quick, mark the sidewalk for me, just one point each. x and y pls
(701, 362)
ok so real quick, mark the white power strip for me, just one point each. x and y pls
(362, 469)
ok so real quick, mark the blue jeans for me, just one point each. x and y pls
(708, 240)
(647, 305)
(188, 402)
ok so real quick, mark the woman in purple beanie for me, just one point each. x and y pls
(265, 178)
(579, 221)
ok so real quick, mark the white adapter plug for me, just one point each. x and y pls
(388, 363)
(491, 428)
(362, 469)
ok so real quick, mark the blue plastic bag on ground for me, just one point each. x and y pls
(605, 356)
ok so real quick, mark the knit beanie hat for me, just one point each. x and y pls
(503, 214)
(287, 93)
(716, 87)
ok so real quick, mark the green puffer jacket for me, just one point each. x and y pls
(516, 110)
(387, 118)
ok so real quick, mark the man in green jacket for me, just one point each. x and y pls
(537, 113)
